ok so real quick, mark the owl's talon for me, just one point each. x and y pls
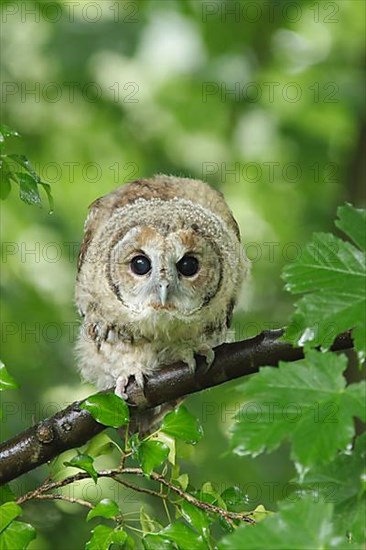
(189, 360)
(121, 385)
(209, 354)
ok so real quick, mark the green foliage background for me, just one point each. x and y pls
(170, 86)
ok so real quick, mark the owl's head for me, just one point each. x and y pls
(165, 246)
(166, 268)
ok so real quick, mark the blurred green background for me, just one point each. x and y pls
(263, 100)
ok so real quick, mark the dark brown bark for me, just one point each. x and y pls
(73, 427)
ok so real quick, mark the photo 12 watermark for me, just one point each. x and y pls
(71, 11)
(269, 11)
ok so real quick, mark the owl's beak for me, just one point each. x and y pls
(163, 292)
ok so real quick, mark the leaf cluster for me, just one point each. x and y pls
(15, 168)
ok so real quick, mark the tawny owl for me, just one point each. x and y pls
(159, 272)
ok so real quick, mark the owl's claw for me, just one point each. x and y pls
(121, 385)
(188, 358)
(208, 354)
(204, 350)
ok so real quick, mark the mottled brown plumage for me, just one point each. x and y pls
(182, 235)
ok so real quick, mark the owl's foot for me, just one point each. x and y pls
(204, 350)
(208, 354)
(121, 385)
(188, 358)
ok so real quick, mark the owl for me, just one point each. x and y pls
(159, 271)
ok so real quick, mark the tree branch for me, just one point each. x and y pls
(73, 427)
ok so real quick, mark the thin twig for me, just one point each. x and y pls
(58, 496)
(139, 489)
(40, 492)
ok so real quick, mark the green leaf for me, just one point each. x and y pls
(156, 542)
(47, 188)
(107, 409)
(352, 222)
(233, 496)
(209, 494)
(169, 441)
(152, 454)
(196, 517)
(183, 425)
(332, 273)
(28, 190)
(27, 165)
(179, 533)
(106, 508)
(100, 444)
(342, 482)
(356, 399)
(103, 537)
(8, 512)
(260, 513)
(17, 536)
(304, 402)
(7, 132)
(5, 183)
(7, 382)
(85, 463)
(183, 481)
(304, 525)
(6, 494)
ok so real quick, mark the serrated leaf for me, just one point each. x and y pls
(304, 525)
(28, 190)
(85, 463)
(106, 508)
(151, 454)
(356, 398)
(107, 409)
(8, 512)
(341, 480)
(103, 537)
(17, 536)
(352, 221)
(332, 273)
(303, 402)
(7, 382)
(183, 425)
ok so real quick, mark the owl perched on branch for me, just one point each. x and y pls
(159, 272)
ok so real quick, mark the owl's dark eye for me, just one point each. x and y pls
(140, 265)
(188, 266)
